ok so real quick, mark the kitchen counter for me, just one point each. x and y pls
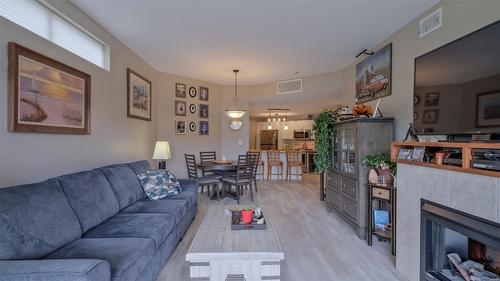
(307, 159)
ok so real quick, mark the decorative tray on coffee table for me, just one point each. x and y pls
(258, 223)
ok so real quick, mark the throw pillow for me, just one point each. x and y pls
(159, 184)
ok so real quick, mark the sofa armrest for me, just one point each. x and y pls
(190, 185)
(55, 270)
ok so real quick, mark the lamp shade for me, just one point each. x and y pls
(162, 151)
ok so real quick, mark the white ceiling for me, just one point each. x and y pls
(266, 40)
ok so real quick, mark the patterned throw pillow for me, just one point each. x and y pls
(159, 184)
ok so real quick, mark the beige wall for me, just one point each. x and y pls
(234, 142)
(320, 91)
(191, 142)
(459, 18)
(114, 138)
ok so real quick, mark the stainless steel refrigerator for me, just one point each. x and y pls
(268, 139)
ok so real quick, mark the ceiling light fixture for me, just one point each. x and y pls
(286, 123)
(235, 113)
(269, 127)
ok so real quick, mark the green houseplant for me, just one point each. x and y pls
(323, 131)
(382, 163)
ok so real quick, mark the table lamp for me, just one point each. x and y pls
(162, 153)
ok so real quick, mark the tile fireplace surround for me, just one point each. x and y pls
(473, 194)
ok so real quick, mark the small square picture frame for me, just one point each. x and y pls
(203, 109)
(180, 108)
(432, 99)
(204, 128)
(180, 127)
(430, 116)
(180, 90)
(204, 93)
(405, 153)
(381, 180)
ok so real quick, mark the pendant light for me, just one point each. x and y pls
(286, 122)
(235, 113)
(269, 127)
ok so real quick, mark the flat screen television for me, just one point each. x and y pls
(457, 86)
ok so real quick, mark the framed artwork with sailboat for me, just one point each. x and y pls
(46, 96)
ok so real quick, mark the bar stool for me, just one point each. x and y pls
(261, 172)
(293, 160)
(273, 160)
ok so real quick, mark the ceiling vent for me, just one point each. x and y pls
(289, 86)
(430, 23)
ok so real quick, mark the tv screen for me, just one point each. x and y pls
(457, 87)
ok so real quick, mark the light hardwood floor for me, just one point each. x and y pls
(318, 245)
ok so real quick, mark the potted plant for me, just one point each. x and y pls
(382, 163)
(323, 131)
(246, 215)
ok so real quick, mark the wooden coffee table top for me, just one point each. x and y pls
(215, 239)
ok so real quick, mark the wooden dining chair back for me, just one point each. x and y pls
(294, 160)
(207, 157)
(191, 166)
(241, 178)
(210, 181)
(244, 167)
(254, 160)
(273, 160)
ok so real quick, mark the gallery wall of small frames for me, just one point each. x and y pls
(191, 110)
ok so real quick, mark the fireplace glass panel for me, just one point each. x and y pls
(455, 249)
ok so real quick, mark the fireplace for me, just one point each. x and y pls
(457, 246)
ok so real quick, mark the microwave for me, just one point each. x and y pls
(306, 134)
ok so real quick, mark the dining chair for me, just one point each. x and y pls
(208, 181)
(254, 158)
(273, 160)
(207, 157)
(242, 177)
(294, 160)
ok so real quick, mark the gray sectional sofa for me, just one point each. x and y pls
(94, 225)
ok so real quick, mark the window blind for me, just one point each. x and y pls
(50, 24)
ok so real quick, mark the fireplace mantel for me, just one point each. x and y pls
(477, 195)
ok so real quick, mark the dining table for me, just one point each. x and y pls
(224, 168)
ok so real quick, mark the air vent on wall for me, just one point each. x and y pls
(430, 23)
(289, 86)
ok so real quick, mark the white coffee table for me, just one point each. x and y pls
(218, 253)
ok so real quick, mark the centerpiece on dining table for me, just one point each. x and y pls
(248, 219)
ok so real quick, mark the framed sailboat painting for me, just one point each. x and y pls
(46, 96)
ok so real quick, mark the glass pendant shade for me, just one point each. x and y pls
(235, 124)
(235, 114)
(269, 127)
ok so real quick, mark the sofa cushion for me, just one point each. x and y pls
(177, 208)
(140, 167)
(159, 184)
(35, 220)
(90, 196)
(124, 182)
(127, 256)
(189, 197)
(190, 185)
(153, 226)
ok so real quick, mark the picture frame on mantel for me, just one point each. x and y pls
(139, 96)
(45, 95)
